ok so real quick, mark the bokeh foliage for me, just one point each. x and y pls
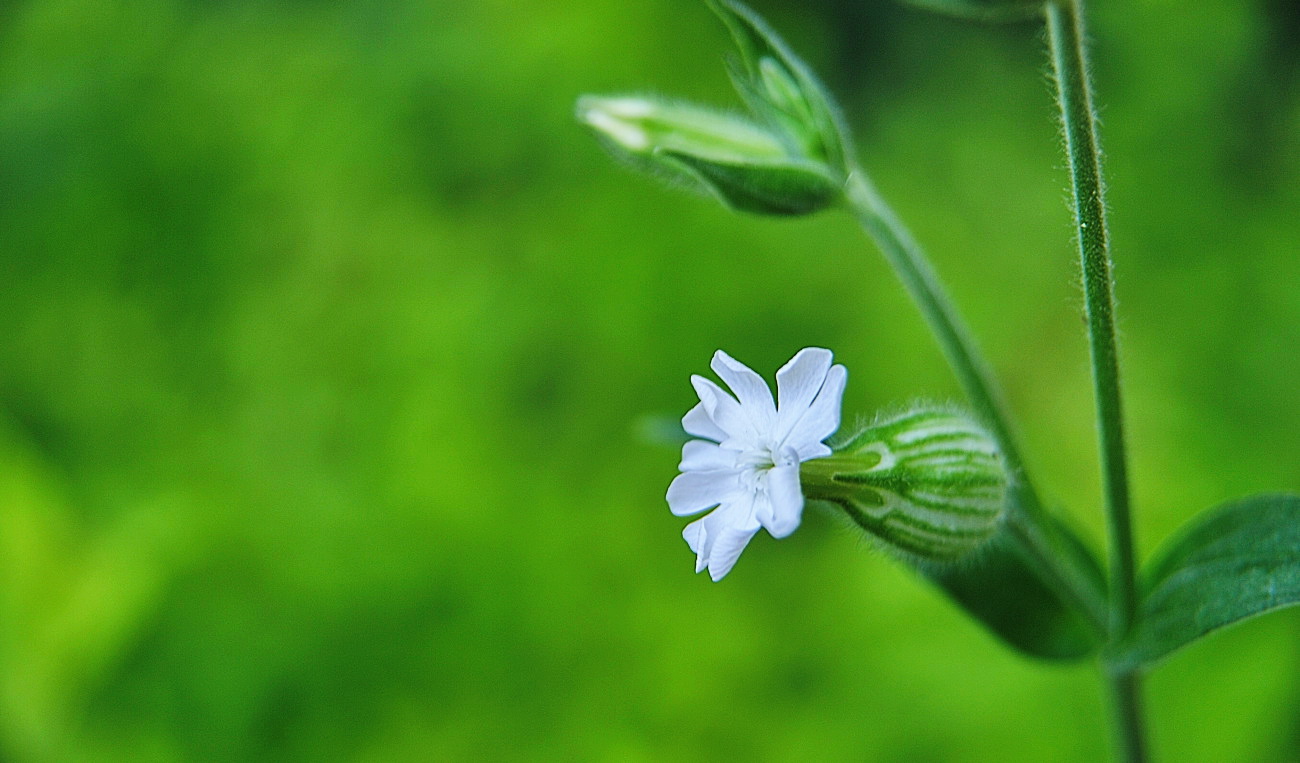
(328, 341)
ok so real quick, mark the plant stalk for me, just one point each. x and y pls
(908, 260)
(1065, 31)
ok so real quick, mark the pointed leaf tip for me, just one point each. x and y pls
(1233, 562)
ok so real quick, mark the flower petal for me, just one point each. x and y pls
(726, 551)
(797, 383)
(726, 414)
(693, 492)
(698, 423)
(718, 539)
(786, 498)
(821, 419)
(701, 455)
(815, 450)
(752, 392)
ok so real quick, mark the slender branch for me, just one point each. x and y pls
(1074, 91)
(1059, 571)
(907, 259)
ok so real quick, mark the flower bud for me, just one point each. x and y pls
(747, 166)
(782, 89)
(930, 483)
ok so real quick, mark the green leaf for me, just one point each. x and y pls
(1003, 592)
(1236, 561)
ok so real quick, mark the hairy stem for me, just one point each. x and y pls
(1060, 571)
(909, 262)
(1074, 92)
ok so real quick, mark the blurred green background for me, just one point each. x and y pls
(329, 339)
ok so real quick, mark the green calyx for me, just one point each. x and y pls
(748, 166)
(781, 89)
(788, 157)
(929, 483)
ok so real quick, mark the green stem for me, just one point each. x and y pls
(1066, 32)
(909, 262)
(1061, 572)
(1069, 60)
(1130, 736)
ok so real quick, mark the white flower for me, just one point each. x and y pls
(748, 465)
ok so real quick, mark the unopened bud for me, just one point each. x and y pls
(744, 164)
(782, 89)
(930, 483)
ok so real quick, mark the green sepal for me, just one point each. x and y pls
(983, 10)
(781, 88)
(749, 166)
(789, 187)
(930, 484)
(1233, 562)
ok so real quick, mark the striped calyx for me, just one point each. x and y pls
(930, 483)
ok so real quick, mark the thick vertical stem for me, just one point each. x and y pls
(1130, 734)
(1069, 60)
(1066, 32)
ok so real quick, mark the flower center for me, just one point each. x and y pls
(757, 461)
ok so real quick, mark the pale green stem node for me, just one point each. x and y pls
(929, 483)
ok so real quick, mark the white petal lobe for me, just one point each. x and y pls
(697, 422)
(718, 539)
(823, 415)
(725, 412)
(693, 492)
(797, 383)
(726, 550)
(752, 392)
(699, 455)
(786, 497)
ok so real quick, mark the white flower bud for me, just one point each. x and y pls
(782, 89)
(643, 126)
(746, 165)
